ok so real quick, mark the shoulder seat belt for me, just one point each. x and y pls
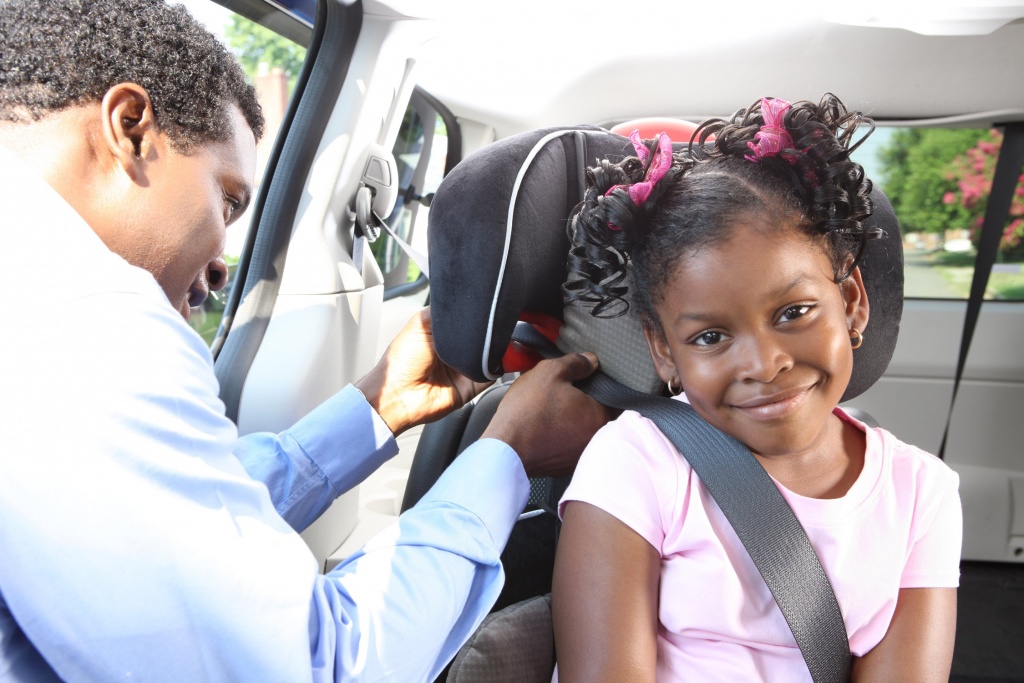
(755, 508)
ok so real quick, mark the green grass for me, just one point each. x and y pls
(953, 258)
(1001, 286)
(957, 268)
(1007, 286)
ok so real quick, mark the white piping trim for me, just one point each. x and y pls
(508, 240)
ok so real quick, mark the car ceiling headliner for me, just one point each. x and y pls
(541, 63)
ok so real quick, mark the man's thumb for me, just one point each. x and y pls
(580, 365)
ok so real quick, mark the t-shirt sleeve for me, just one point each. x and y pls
(933, 559)
(632, 472)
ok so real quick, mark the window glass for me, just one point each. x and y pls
(420, 152)
(272, 62)
(938, 180)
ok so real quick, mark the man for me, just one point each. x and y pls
(140, 538)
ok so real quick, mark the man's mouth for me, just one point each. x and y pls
(197, 294)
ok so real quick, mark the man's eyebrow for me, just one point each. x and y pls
(246, 196)
(244, 190)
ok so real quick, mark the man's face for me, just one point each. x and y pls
(177, 228)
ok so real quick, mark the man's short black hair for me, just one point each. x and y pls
(56, 54)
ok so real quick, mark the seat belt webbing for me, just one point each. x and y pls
(750, 500)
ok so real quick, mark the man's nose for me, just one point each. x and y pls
(217, 274)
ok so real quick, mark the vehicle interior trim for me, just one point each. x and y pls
(328, 59)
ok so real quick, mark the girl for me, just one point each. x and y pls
(742, 266)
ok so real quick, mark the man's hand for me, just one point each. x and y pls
(545, 419)
(410, 385)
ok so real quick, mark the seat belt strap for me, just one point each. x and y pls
(754, 506)
(1004, 183)
(420, 259)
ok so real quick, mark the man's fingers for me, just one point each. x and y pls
(578, 366)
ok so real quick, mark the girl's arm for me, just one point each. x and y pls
(919, 643)
(604, 599)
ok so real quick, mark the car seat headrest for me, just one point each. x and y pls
(651, 126)
(498, 247)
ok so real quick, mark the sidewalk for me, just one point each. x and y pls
(922, 280)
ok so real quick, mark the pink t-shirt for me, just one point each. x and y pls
(899, 526)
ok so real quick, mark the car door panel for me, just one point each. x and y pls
(325, 325)
(984, 445)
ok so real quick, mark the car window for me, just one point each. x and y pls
(938, 180)
(408, 219)
(421, 155)
(272, 61)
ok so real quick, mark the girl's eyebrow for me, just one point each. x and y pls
(793, 284)
(696, 316)
(703, 317)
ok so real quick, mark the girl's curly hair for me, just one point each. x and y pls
(619, 246)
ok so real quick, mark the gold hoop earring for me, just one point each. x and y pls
(856, 338)
(675, 391)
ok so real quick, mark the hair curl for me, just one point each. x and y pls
(55, 55)
(815, 187)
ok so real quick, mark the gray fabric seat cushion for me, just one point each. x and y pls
(515, 645)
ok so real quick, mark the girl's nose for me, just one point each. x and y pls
(217, 274)
(763, 358)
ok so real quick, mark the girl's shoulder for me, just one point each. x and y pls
(917, 504)
(634, 438)
(633, 472)
(908, 467)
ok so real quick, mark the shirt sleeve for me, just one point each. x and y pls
(331, 450)
(936, 529)
(432, 577)
(135, 545)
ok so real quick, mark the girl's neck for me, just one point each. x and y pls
(826, 470)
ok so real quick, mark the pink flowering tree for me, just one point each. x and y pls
(972, 173)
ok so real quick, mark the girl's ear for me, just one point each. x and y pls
(856, 299)
(661, 354)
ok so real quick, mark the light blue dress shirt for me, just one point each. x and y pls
(142, 540)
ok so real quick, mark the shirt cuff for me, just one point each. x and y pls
(346, 438)
(487, 479)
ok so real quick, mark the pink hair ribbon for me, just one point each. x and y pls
(773, 136)
(656, 168)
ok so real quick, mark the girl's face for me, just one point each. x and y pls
(759, 335)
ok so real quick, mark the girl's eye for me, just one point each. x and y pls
(233, 205)
(794, 312)
(709, 338)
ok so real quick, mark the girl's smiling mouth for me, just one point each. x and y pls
(780, 404)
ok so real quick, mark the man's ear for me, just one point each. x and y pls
(856, 299)
(129, 127)
(661, 354)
